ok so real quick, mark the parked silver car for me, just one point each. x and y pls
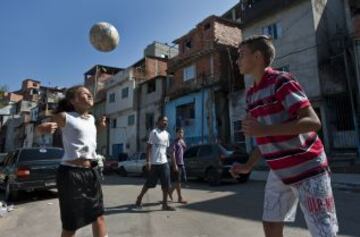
(212, 162)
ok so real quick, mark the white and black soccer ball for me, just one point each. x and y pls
(104, 37)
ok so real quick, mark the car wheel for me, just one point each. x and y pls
(10, 195)
(213, 177)
(122, 171)
(243, 178)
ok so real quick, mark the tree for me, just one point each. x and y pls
(3, 90)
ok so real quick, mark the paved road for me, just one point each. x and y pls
(228, 210)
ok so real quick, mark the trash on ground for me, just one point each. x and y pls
(4, 208)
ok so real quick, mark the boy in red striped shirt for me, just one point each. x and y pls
(281, 119)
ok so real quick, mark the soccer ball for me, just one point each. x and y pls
(104, 36)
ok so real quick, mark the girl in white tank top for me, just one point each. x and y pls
(78, 208)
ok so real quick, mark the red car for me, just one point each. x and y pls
(110, 165)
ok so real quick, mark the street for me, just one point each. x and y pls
(227, 210)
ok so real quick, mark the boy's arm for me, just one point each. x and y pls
(101, 123)
(173, 158)
(293, 98)
(148, 154)
(238, 168)
(307, 121)
(149, 150)
(254, 156)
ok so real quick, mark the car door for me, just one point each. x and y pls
(205, 159)
(190, 157)
(140, 163)
(130, 165)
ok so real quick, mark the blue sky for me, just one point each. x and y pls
(47, 40)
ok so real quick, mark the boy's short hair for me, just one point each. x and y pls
(262, 43)
(161, 117)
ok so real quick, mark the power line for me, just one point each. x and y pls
(297, 51)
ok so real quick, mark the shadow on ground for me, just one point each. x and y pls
(35, 196)
(245, 201)
(131, 208)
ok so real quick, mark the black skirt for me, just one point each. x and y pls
(80, 196)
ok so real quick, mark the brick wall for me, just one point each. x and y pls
(14, 97)
(30, 84)
(213, 68)
(155, 67)
(208, 51)
(227, 35)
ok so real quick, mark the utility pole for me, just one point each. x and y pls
(354, 115)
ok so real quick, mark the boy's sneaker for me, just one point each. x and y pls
(138, 203)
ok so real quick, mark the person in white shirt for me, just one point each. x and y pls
(100, 160)
(157, 164)
(78, 183)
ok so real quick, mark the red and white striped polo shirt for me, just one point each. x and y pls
(275, 100)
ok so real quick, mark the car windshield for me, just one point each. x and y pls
(232, 148)
(41, 154)
(123, 156)
(227, 149)
(132, 157)
(110, 158)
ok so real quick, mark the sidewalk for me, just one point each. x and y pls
(338, 179)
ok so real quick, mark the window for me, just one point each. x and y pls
(239, 137)
(205, 151)
(149, 121)
(131, 120)
(41, 154)
(133, 157)
(188, 45)
(191, 153)
(273, 30)
(125, 92)
(113, 123)
(341, 118)
(34, 92)
(189, 73)
(207, 26)
(238, 134)
(112, 98)
(151, 86)
(185, 115)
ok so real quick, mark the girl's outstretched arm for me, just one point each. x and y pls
(57, 121)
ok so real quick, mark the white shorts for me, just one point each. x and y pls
(316, 201)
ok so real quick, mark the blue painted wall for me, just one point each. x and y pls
(193, 133)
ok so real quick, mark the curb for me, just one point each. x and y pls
(350, 180)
